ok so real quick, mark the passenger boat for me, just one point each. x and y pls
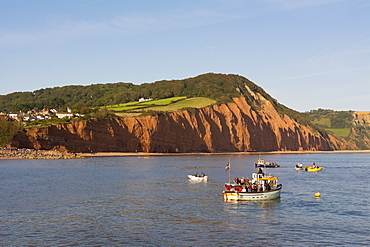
(260, 188)
(316, 169)
(263, 163)
(198, 178)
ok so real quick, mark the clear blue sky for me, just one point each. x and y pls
(308, 54)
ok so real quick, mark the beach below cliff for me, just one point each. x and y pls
(25, 153)
(143, 154)
(14, 153)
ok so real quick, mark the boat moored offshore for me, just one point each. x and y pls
(313, 168)
(262, 163)
(197, 177)
(299, 167)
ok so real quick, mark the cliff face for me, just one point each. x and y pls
(360, 133)
(361, 118)
(228, 127)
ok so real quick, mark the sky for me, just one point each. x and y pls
(306, 54)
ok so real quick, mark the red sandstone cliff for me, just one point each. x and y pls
(228, 127)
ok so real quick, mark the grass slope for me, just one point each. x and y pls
(163, 105)
(343, 132)
(146, 104)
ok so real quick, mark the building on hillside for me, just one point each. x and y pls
(144, 100)
(64, 114)
(15, 115)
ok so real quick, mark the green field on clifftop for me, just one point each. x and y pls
(163, 105)
(145, 104)
(340, 132)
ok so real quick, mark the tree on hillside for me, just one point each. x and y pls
(7, 131)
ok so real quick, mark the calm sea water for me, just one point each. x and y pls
(131, 201)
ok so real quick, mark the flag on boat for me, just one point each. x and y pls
(227, 166)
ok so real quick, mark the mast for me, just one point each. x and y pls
(228, 168)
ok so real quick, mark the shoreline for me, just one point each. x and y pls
(139, 154)
(143, 154)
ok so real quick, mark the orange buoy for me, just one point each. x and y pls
(317, 194)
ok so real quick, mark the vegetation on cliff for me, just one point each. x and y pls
(7, 131)
(218, 87)
(349, 125)
(214, 86)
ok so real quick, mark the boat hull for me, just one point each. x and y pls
(252, 196)
(195, 178)
(313, 169)
(266, 166)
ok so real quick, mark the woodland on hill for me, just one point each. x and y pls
(330, 118)
(215, 86)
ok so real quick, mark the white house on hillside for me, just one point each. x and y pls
(143, 99)
(64, 114)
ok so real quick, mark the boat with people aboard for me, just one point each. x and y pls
(261, 187)
(316, 169)
(262, 163)
(313, 168)
(299, 167)
(198, 177)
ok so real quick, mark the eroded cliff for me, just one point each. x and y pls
(228, 127)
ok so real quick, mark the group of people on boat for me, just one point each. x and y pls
(248, 186)
(241, 181)
(201, 175)
(299, 166)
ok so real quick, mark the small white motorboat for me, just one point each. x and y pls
(198, 177)
(299, 167)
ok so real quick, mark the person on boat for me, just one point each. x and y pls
(203, 175)
(249, 188)
(242, 181)
(237, 180)
(313, 165)
(196, 174)
(260, 187)
(271, 184)
(244, 189)
(260, 171)
(254, 187)
(268, 186)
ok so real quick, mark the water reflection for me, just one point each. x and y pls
(245, 207)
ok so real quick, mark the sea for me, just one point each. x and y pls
(149, 201)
